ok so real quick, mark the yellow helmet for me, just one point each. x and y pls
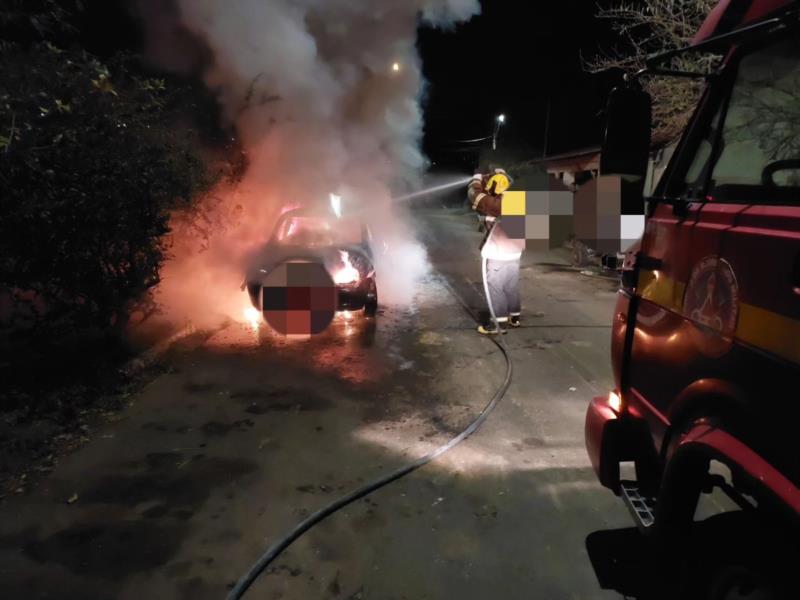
(498, 183)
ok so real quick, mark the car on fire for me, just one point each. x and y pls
(342, 245)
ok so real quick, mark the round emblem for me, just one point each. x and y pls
(711, 302)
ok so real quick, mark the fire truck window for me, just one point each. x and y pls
(762, 127)
(692, 183)
(695, 172)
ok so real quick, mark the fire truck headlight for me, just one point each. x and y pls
(615, 402)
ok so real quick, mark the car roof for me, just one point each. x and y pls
(316, 214)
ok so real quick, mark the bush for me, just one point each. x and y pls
(94, 157)
(88, 173)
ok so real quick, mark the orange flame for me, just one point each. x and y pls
(252, 317)
(348, 274)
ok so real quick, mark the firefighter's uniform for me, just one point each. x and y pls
(502, 252)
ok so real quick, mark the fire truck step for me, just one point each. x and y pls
(642, 507)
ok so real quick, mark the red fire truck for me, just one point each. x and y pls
(706, 330)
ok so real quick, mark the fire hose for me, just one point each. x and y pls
(278, 547)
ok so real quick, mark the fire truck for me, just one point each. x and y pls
(706, 331)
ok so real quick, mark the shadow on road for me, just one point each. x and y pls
(728, 556)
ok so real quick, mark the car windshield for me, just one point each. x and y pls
(315, 232)
(759, 154)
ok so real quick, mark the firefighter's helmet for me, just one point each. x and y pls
(499, 182)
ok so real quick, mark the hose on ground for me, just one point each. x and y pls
(278, 547)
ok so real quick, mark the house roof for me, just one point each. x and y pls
(584, 159)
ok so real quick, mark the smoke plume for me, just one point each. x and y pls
(325, 97)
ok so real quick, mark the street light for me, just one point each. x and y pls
(501, 119)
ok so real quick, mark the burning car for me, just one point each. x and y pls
(342, 245)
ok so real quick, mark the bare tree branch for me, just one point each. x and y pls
(658, 26)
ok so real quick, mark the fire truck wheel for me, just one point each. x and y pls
(733, 555)
(740, 583)
(751, 557)
(684, 479)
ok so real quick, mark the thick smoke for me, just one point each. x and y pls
(324, 95)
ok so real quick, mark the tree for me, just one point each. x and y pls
(651, 27)
(94, 157)
(24, 21)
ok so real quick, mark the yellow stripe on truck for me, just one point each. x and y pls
(769, 331)
(662, 290)
(757, 327)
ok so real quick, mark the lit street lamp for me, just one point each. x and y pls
(501, 119)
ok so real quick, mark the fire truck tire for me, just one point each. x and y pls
(754, 559)
(746, 555)
(684, 477)
(677, 499)
(740, 583)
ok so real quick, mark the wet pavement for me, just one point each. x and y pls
(248, 432)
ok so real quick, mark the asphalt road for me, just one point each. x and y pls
(247, 433)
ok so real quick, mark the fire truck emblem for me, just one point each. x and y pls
(712, 296)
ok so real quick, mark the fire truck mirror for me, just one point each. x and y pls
(626, 144)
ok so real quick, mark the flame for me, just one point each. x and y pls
(252, 317)
(336, 205)
(347, 274)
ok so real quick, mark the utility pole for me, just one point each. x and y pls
(547, 126)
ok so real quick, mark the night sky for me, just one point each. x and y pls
(512, 59)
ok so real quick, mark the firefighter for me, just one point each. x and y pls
(501, 254)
